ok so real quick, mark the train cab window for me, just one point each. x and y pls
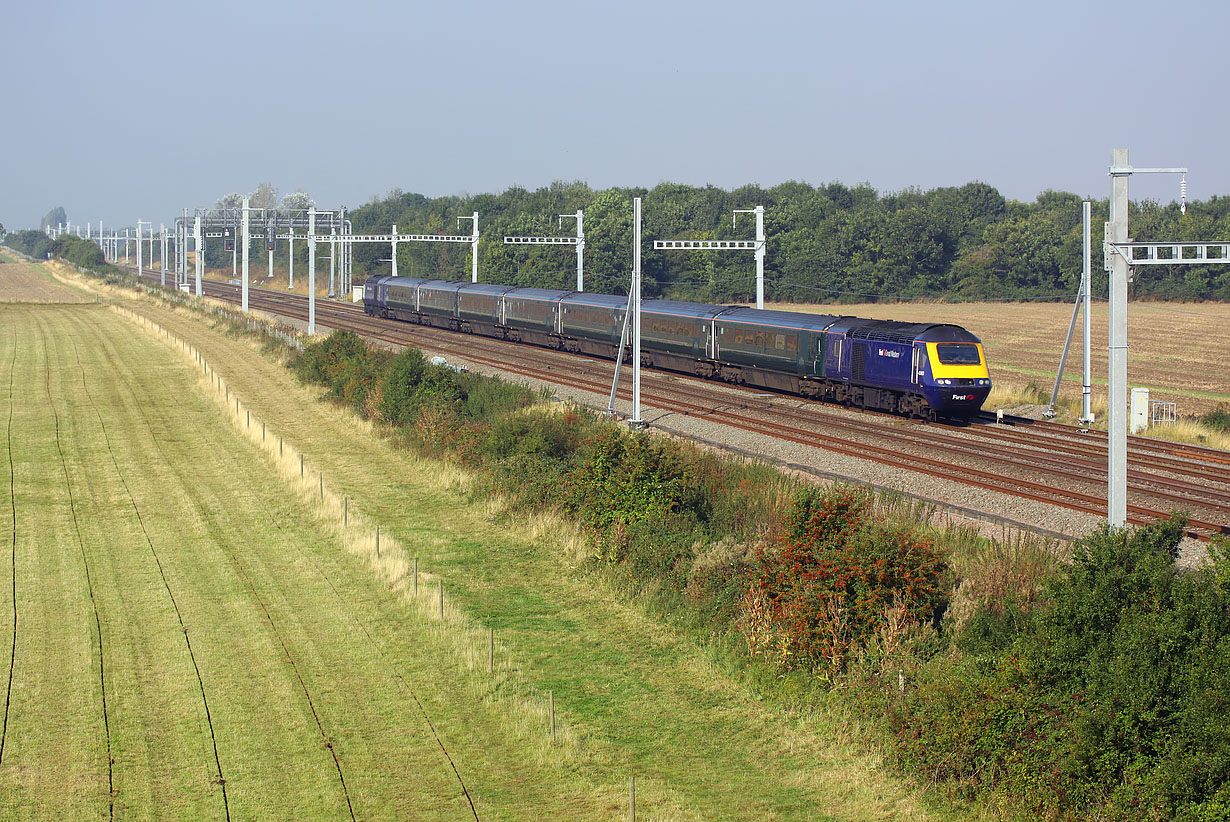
(957, 354)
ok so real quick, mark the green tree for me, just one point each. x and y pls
(53, 218)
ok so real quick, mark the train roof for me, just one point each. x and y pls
(676, 308)
(893, 331)
(402, 282)
(442, 285)
(778, 319)
(592, 299)
(485, 288)
(548, 294)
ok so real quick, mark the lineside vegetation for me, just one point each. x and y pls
(1094, 689)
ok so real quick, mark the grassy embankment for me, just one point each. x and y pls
(297, 634)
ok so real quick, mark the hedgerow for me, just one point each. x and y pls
(1108, 700)
(1098, 691)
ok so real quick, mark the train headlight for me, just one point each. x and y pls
(943, 382)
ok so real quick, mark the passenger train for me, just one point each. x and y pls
(921, 370)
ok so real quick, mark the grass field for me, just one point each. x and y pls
(1175, 350)
(24, 282)
(184, 633)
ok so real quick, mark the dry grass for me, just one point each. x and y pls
(22, 282)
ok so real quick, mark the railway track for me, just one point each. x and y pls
(1041, 461)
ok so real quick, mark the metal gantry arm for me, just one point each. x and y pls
(578, 241)
(1172, 253)
(757, 245)
(393, 238)
(473, 245)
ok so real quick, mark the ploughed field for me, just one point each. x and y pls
(185, 632)
(1177, 350)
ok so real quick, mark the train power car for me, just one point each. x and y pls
(924, 370)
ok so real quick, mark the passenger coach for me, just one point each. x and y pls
(925, 370)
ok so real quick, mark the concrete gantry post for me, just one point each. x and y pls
(290, 256)
(580, 217)
(1117, 396)
(343, 271)
(473, 247)
(311, 329)
(162, 251)
(199, 247)
(580, 250)
(1087, 288)
(332, 261)
(759, 256)
(394, 244)
(139, 224)
(635, 308)
(246, 239)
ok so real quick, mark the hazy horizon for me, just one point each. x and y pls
(132, 110)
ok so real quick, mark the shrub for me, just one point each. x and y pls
(1108, 699)
(321, 362)
(1218, 419)
(30, 242)
(548, 435)
(399, 385)
(835, 578)
(80, 252)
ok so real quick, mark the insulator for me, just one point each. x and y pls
(1183, 195)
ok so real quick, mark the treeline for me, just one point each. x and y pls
(30, 242)
(825, 243)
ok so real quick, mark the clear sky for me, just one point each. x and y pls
(123, 110)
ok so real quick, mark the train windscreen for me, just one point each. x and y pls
(957, 353)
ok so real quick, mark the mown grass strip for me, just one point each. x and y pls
(85, 564)
(8, 686)
(136, 509)
(246, 527)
